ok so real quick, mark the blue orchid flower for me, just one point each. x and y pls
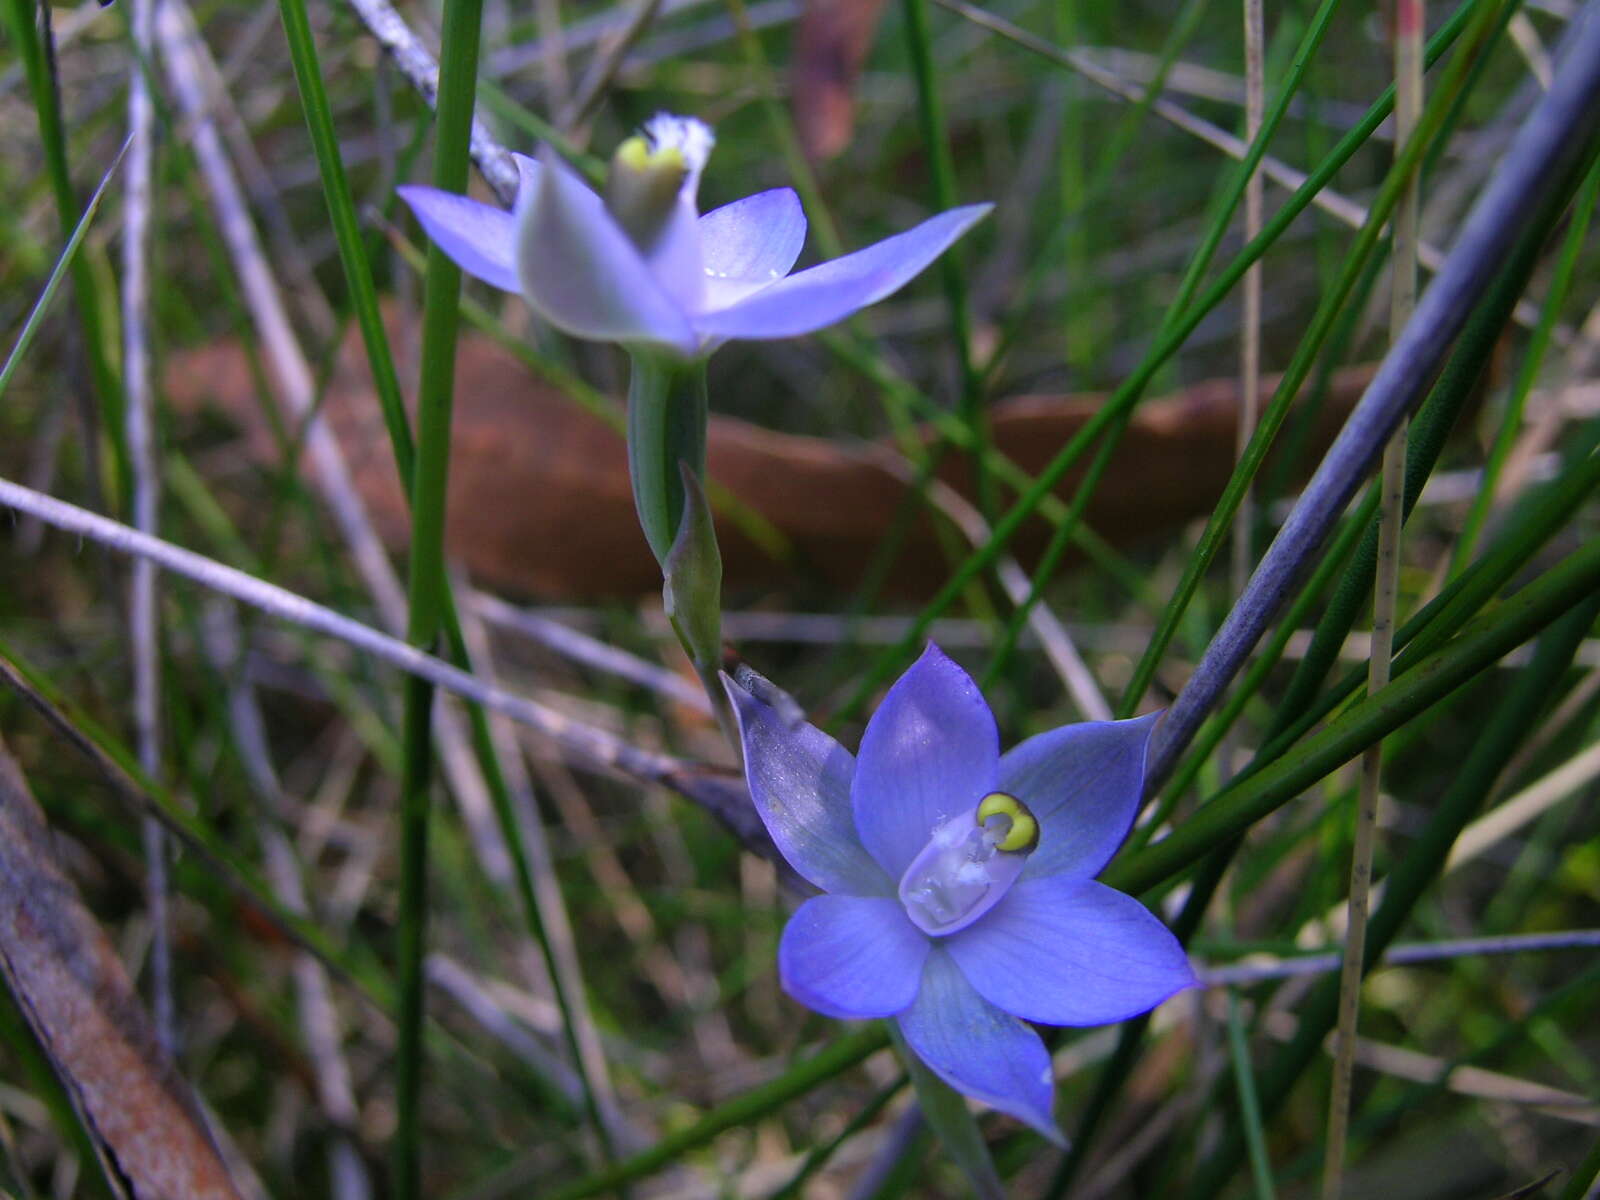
(959, 882)
(639, 266)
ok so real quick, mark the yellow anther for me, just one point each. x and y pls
(643, 185)
(1023, 833)
(636, 154)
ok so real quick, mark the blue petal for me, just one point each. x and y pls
(750, 244)
(479, 237)
(1071, 952)
(799, 778)
(931, 751)
(527, 176)
(852, 956)
(1083, 784)
(675, 257)
(825, 294)
(580, 272)
(979, 1050)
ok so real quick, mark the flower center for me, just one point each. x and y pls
(970, 861)
(648, 173)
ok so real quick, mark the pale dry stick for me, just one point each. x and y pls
(603, 69)
(1343, 209)
(631, 914)
(1052, 634)
(319, 1018)
(717, 792)
(1526, 39)
(1386, 585)
(139, 430)
(1463, 1079)
(590, 651)
(1532, 802)
(297, 394)
(552, 55)
(1493, 827)
(482, 1005)
(288, 256)
(713, 1035)
(1572, 704)
(547, 895)
(580, 35)
(1264, 968)
(1250, 299)
(417, 64)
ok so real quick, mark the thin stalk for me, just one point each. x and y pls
(837, 1057)
(32, 43)
(425, 604)
(1391, 515)
(144, 633)
(1533, 359)
(936, 140)
(1322, 323)
(1249, 1103)
(58, 273)
(1037, 491)
(1498, 739)
(1547, 156)
(1250, 298)
(565, 975)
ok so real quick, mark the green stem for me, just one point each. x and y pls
(358, 274)
(1533, 358)
(667, 414)
(30, 43)
(426, 592)
(935, 137)
(1498, 740)
(1037, 491)
(1479, 644)
(754, 1104)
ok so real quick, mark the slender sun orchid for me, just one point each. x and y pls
(640, 266)
(959, 882)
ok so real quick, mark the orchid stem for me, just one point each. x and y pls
(667, 414)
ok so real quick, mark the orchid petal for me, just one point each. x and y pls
(479, 238)
(1083, 783)
(852, 956)
(799, 779)
(750, 244)
(675, 257)
(527, 178)
(1070, 951)
(822, 295)
(931, 751)
(580, 272)
(978, 1049)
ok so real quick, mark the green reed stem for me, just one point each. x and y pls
(1039, 489)
(442, 288)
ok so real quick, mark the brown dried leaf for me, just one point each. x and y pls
(540, 503)
(77, 998)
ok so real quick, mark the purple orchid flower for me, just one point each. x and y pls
(960, 894)
(641, 267)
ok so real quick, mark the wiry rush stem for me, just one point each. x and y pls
(426, 593)
(1407, 108)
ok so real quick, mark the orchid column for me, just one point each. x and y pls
(639, 266)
